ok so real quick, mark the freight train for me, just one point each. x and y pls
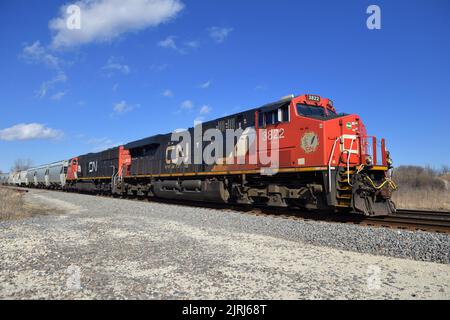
(297, 152)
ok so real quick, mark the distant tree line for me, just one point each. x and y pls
(417, 177)
(21, 164)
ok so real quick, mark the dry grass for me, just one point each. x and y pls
(422, 188)
(12, 205)
(446, 177)
(427, 199)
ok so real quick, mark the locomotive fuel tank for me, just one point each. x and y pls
(193, 190)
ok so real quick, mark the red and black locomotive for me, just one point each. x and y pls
(325, 160)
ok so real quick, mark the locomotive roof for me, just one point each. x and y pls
(263, 108)
(146, 141)
(160, 138)
(274, 105)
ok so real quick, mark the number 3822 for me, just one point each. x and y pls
(273, 134)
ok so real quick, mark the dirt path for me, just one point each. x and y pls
(93, 247)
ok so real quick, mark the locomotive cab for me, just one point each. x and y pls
(315, 142)
(357, 176)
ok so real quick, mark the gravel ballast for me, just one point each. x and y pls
(96, 247)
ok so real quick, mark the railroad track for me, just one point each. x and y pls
(415, 220)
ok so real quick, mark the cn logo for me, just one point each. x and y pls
(93, 166)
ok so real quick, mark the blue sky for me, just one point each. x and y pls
(162, 64)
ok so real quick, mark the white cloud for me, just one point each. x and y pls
(113, 65)
(120, 107)
(186, 105)
(58, 96)
(47, 85)
(167, 93)
(169, 43)
(101, 144)
(219, 34)
(205, 85)
(104, 20)
(123, 107)
(30, 131)
(205, 109)
(192, 44)
(198, 120)
(36, 53)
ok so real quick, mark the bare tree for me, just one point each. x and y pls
(21, 164)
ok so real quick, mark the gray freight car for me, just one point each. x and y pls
(23, 180)
(41, 177)
(16, 178)
(57, 174)
(31, 176)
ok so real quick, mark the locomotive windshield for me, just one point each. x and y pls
(316, 112)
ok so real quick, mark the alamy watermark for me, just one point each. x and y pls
(73, 21)
(73, 281)
(234, 146)
(373, 273)
(374, 20)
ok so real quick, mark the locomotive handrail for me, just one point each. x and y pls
(329, 164)
(113, 182)
(348, 161)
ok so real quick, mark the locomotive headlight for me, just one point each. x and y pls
(369, 160)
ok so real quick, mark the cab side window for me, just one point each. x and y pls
(283, 114)
(261, 121)
(273, 116)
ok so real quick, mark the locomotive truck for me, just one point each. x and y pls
(324, 161)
